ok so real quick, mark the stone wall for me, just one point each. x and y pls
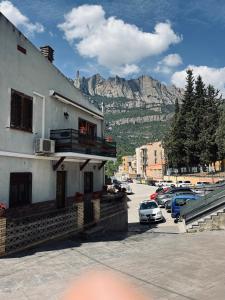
(2, 235)
(39, 223)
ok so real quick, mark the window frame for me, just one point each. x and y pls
(25, 108)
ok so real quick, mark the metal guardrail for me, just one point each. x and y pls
(207, 203)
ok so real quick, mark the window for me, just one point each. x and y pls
(21, 111)
(87, 128)
(148, 205)
(20, 189)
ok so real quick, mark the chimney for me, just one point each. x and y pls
(48, 52)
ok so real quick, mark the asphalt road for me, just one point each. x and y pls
(159, 261)
(142, 192)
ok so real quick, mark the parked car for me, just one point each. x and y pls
(151, 182)
(130, 180)
(126, 186)
(180, 200)
(168, 205)
(159, 183)
(161, 199)
(160, 190)
(149, 211)
(184, 183)
(201, 184)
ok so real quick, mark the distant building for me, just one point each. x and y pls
(128, 167)
(156, 160)
(141, 161)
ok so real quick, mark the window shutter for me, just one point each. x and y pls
(16, 109)
(27, 114)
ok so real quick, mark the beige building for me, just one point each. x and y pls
(128, 167)
(156, 160)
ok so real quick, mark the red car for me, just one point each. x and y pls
(158, 191)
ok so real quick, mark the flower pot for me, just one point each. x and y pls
(2, 212)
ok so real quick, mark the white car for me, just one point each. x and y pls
(184, 183)
(127, 187)
(149, 211)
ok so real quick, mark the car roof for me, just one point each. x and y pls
(185, 196)
(147, 201)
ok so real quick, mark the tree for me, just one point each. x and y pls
(174, 142)
(194, 124)
(220, 133)
(193, 139)
(208, 127)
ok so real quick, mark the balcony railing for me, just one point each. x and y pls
(71, 140)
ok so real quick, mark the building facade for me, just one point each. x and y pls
(142, 161)
(52, 145)
(128, 166)
(156, 161)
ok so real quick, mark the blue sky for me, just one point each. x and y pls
(160, 38)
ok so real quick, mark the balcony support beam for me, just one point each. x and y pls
(84, 164)
(102, 164)
(58, 163)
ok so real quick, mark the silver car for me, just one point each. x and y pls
(149, 211)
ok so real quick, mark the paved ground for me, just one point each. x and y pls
(163, 263)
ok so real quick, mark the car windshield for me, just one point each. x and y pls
(148, 205)
(187, 181)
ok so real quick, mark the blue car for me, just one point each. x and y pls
(180, 200)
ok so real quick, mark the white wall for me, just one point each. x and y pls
(29, 73)
(44, 178)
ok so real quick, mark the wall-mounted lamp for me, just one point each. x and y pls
(66, 115)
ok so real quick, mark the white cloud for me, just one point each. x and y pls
(125, 70)
(172, 60)
(114, 43)
(214, 76)
(169, 62)
(18, 19)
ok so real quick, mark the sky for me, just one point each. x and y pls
(128, 38)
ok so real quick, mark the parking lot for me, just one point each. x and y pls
(140, 193)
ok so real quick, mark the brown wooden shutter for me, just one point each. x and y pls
(16, 110)
(27, 114)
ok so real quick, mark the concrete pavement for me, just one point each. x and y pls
(164, 264)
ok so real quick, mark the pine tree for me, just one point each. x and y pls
(208, 127)
(220, 133)
(186, 121)
(174, 141)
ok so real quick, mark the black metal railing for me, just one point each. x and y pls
(71, 140)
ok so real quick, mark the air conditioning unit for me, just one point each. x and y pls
(44, 146)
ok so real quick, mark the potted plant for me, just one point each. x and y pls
(96, 195)
(2, 209)
(79, 197)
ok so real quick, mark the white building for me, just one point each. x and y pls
(38, 104)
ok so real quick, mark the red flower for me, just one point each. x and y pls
(2, 206)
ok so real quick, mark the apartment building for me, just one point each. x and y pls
(156, 161)
(128, 167)
(142, 161)
(52, 145)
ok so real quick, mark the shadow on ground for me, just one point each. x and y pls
(81, 238)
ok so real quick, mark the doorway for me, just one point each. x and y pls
(60, 189)
(88, 205)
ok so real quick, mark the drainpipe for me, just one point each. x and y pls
(43, 114)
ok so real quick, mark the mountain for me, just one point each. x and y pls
(137, 111)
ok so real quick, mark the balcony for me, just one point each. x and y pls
(71, 140)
